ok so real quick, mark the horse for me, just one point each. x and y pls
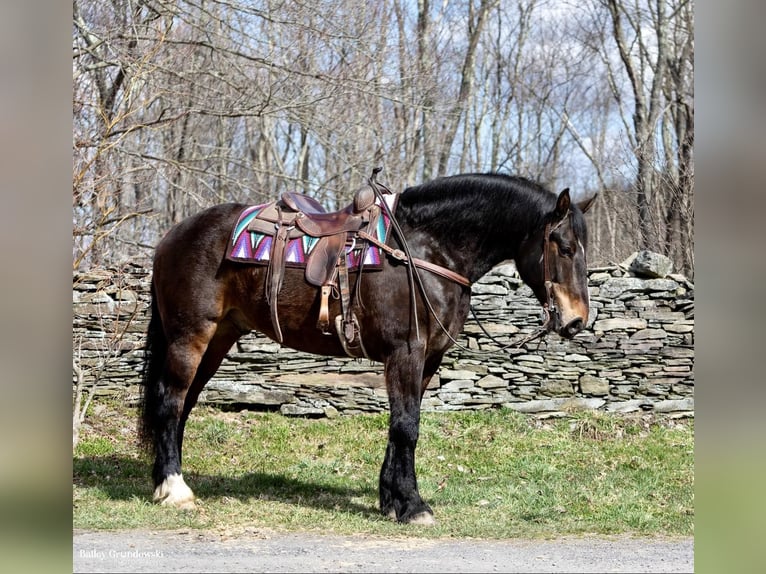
(459, 227)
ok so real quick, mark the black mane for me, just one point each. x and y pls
(479, 220)
(462, 205)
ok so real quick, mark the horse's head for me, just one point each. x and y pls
(552, 261)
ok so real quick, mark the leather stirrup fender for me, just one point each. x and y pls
(275, 276)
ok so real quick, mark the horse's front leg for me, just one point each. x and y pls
(399, 496)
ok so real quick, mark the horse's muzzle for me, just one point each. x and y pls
(572, 328)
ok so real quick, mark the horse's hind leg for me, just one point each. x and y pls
(184, 354)
(226, 335)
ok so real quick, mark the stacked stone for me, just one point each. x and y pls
(637, 353)
(109, 321)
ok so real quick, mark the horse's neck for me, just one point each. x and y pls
(468, 240)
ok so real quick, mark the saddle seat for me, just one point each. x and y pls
(302, 203)
(315, 221)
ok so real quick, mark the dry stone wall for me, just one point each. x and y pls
(637, 353)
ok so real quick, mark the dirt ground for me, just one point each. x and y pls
(265, 551)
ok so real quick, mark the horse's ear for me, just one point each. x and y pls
(562, 205)
(586, 204)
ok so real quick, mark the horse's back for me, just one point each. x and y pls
(201, 232)
(188, 259)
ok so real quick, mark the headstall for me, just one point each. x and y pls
(549, 306)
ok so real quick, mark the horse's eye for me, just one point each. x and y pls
(565, 249)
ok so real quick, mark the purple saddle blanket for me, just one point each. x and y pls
(248, 246)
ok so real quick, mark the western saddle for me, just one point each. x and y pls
(331, 237)
(296, 215)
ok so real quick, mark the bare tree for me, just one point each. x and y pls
(476, 20)
(678, 140)
(179, 105)
(653, 40)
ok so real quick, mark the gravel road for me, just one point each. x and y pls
(266, 551)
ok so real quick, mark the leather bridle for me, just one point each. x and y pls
(549, 305)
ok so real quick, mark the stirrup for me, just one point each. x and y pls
(353, 347)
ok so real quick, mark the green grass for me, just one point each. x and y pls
(488, 474)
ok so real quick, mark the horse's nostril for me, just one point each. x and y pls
(573, 327)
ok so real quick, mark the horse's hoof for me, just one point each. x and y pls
(424, 518)
(180, 504)
(173, 491)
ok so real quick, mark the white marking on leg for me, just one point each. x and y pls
(423, 519)
(173, 491)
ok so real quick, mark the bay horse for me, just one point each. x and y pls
(202, 302)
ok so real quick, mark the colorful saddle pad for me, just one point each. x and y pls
(253, 247)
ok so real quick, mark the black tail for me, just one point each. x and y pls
(155, 353)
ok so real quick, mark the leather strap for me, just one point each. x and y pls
(324, 310)
(428, 266)
(443, 271)
(346, 323)
(345, 297)
(275, 274)
(550, 303)
(547, 285)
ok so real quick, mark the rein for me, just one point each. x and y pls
(549, 306)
